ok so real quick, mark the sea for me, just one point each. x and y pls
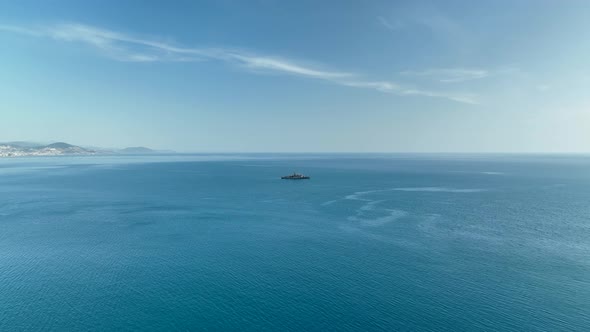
(372, 242)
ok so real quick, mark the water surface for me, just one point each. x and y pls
(371, 243)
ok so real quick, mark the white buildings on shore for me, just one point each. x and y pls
(16, 151)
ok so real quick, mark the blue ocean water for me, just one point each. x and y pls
(370, 243)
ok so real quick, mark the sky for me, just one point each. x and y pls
(298, 76)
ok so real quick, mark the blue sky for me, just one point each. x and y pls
(310, 76)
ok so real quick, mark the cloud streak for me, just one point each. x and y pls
(458, 75)
(451, 75)
(125, 47)
(389, 25)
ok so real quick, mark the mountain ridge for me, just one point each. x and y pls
(26, 149)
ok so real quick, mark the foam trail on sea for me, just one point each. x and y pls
(439, 189)
(357, 196)
(369, 207)
(392, 215)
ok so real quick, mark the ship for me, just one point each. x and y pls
(295, 176)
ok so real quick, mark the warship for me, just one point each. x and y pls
(295, 176)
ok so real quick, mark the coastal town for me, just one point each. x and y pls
(18, 149)
(29, 149)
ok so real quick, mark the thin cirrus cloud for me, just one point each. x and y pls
(458, 75)
(124, 47)
(451, 75)
(390, 25)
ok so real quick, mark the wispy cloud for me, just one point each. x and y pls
(451, 75)
(427, 20)
(457, 75)
(125, 47)
(389, 24)
(461, 98)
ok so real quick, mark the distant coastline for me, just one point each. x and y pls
(28, 149)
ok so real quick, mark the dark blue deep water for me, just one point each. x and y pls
(370, 243)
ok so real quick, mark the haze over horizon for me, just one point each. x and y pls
(270, 76)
